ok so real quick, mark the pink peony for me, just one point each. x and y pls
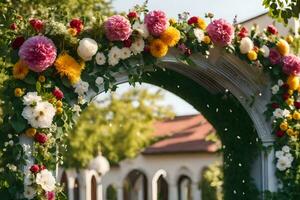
(117, 28)
(275, 57)
(291, 65)
(221, 32)
(156, 22)
(38, 52)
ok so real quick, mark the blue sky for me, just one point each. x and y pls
(226, 9)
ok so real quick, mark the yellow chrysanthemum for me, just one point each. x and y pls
(171, 36)
(20, 70)
(158, 48)
(293, 82)
(67, 66)
(290, 132)
(296, 115)
(283, 47)
(201, 23)
(252, 55)
(206, 39)
(284, 126)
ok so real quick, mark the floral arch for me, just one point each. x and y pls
(59, 67)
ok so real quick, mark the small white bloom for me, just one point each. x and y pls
(277, 113)
(275, 89)
(31, 98)
(199, 34)
(81, 87)
(114, 56)
(286, 149)
(138, 46)
(141, 29)
(283, 163)
(46, 180)
(125, 53)
(87, 48)
(279, 154)
(29, 192)
(99, 80)
(9, 136)
(11, 142)
(246, 45)
(285, 113)
(289, 157)
(76, 108)
(100, 58)
(265, 50)
(280, 83)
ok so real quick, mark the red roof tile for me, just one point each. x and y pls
(183, 134)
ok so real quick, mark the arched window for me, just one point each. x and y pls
(184, 188)
(76, 190)
(111, 193)
(135, 186)
(64, 183)
(93, 188)
(162, 189)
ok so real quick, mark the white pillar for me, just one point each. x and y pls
(120, 192)
(71, 176)
(173, 192)
(100, 191)
(84, 185)
(196, 193)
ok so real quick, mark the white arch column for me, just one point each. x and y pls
(173, 192)
(196, 192)
(84, 185)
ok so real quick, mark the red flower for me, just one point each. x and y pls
(17, 43)
(275, 105)
(36, 24)
(42, 167)
(297, 104)
(77, 24)
(35, 168)
(285, 96)
(41, 138)
(280, 133)
(272, 29)
(193, 20)
(13, 26)
(58, 93)
(132, 15)
(243, 32)
(127, 43)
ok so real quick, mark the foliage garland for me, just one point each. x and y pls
(41, 102)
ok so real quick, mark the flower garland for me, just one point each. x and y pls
(57, 65)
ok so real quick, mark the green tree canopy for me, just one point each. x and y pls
(122, 125)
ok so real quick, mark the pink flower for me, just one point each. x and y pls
(272, 29)
(156, 22)
(38, 52)
(132, 15)
(243, 32)
(220, 32)
(41, 138)
(77, 24)
(117, 28)
(193, 20)
(58, 93)
(50, 195)
(274, 56)
(36, 24)
(35, 169)
(291, 65)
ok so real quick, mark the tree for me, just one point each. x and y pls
(122, 125)
(283, 10)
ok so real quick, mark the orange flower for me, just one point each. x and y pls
(20, 70)
(201, 23)
(158, 48)
(171, 36)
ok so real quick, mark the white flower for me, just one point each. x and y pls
(275, 89)
(114, 56)
(280, 83)
(138, 46)
(141, 29)
(9, 136)
(87, 48)
(285, 113)
(29, 192)
(199, 34)
(283, 163)
(12, 167)
(76, 108)
(289, 157)
(46, 180)
(31, 98)
(81, 87)
(39, 116)
(99, 80)
(265, 50)
(279, 154)
(100, 58)
(246, 45)
(286, 149)
(277, 113)
(125, 53)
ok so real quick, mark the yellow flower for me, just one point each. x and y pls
(289, 117)
(20, 70)
(30, 132)
(201, 23)
(296, 115)
(290, 132)
(158, 48)
(171, 36)
(59, 104)
(252, 55)
(293, 82)
(59, 110)
(290, 92)
(172, 21)
(19, 92)
(206, 39)
(67, 66)
(289, 39)
(289, 101)
(284, 126)
(72, 31)
(42, 78)
(52, 100)
(283, 47)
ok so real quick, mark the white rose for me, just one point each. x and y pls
(275, 89)
(87, 48)
(265, 50)
(31, 98)
(99, 80)
(246, 45)
(283, 163)
(100, 58)
(279, 154)
(278, 113)
(285, 113)
(29, 192)
(137, 46)
(141, 29)
(199, 34)
(46, 180)
(114, 56)
(286, 149)
(289, 157)
(125, 53)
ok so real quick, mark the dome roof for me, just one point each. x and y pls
(100, 164)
